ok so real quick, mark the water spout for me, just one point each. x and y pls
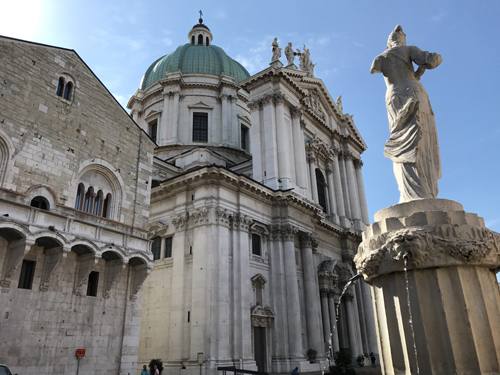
(346, 286)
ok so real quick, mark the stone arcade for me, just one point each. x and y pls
(245, 215)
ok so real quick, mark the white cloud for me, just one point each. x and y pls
(438, 17)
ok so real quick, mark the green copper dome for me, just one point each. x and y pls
(191, 58)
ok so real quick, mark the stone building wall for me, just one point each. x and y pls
(204, 298)
(48, 145)
(53, 139)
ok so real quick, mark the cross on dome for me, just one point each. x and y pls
(200, 34)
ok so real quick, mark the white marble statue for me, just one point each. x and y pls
(305, 62)
(276, 50)
(412, 145)
(289, 53)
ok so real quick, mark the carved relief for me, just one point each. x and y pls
(313, 103)
(262, 316)
(425, 247)
(318, 149)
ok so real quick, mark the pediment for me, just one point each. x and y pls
(200, 104)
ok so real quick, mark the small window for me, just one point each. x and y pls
(155, 183)
(244, 138)
(156, 248)
(256, 245)
(200, 127)
(106, 208)
(321, 185)
(27, 273)
(60, 86)
(153, 129)
(40, 202)
(168, 247)
(80, 193)
(68, 91)
(207, 41)
(92, 284)
(189, 316)
(89, 200)
(192, 39)
(98, 203)
(258, 295)
(200, 40)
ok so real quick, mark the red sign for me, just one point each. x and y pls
(80, 353)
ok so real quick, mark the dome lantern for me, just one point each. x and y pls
(200, 34)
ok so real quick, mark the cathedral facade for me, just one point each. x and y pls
(213, 226)
(256, 213)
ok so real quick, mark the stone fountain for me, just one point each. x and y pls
(430, 264)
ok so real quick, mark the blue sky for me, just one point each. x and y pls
(119, 39)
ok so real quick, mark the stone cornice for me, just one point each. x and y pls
(426, 239)
(221, 176)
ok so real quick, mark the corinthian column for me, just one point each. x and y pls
(353, 189)
(352, 324)
(331, 195)
(325, 315)
(282, 137)
(255, 141)
(333, 321)
(270, 152)
(361, 192)
(339, 195)
(311, 294)
(292, 294)
(226, 119)
(312, 176)
(299, 151)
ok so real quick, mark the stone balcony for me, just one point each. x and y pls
(69, 228)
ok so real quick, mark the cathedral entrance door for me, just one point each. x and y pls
(259, 346)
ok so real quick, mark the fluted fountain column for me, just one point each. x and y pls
(437, 304)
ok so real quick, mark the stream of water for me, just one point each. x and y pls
(410, 314)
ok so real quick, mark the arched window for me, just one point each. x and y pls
(79, 196)
(321, 184)
(200, 40)
(192, 39)
(68, 91)
(107, 206)
(92, 284)
(98, 192)
(89, 200)
(4, 159)
(156, 248)
(40, 202)
(98, 204)
(207, 41)
(60, 86)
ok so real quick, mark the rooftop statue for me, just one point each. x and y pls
(276, 50)
(412, 145)
(305, 62)
(289, 53)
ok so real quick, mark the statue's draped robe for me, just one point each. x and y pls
(412, 145)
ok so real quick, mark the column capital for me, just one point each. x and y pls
(288, 232)
(256, 104)
(295, 112)
(278, 98)
(307, 240)
(241, 222)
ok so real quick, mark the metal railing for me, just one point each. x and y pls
(235, 371)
